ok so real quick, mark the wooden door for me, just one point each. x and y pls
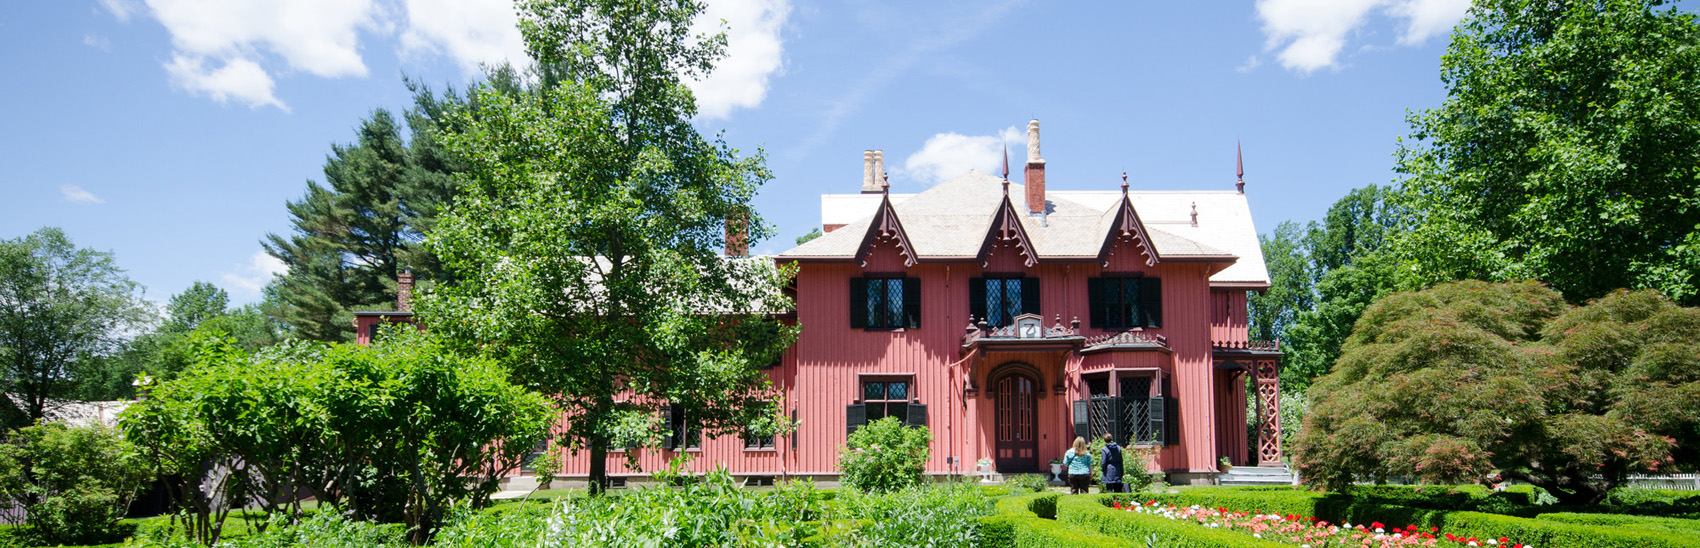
(1017, 440)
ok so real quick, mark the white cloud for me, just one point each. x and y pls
(473, 32)
(1310, 34)
(121, 9)
(238, 79)
(947, 155)
(1429, 18)
(320, 37)
(754, 52)
(76, 195)
(247, 279)
(97, 41)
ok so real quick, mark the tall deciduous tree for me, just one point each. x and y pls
(586, 242)
(1470, 379)
(1568, 150)
(62, 311)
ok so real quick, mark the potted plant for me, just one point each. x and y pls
(1225, 463)
(1056, 469)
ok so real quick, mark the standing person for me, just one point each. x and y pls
(1112, 459)
(1079, 462)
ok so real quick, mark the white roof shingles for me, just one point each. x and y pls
(950, 221)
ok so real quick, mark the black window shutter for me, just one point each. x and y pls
(918, 415)
(1151, 302)
(1080, 421)
(1173, 436)
(855, 416)
(1115, 419)
(858, 303)
(671, 441)
(976, 299)
(1095, 301)
(911, 303)
(1030, 296)
(1158, 426)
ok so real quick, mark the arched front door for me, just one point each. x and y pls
(1017, 446)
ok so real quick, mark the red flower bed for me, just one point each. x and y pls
(1310, 532)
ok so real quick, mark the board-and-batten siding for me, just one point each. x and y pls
(820, 374)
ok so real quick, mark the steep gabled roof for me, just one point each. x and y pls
(1007, 229)
(951, 221)
(1124, 226)
(886, 226)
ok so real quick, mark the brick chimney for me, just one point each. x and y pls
(737, 236)
(880, 179)
(404, 291)
(1035, 172)
(870, 181)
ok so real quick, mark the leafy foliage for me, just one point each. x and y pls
(63, 310)
(884, 455)
(1566, 150)
(398, 432)
(585, 244)
(1469, 379)
(74, 483)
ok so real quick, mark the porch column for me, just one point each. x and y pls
(1268, 413)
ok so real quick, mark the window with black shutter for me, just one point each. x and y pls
(886, 398)
(681, 434)
(885, 303)
(1125, 303)
(999, 300)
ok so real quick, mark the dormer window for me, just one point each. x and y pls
(1000, 300)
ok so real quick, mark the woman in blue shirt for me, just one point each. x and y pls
(1079, 463)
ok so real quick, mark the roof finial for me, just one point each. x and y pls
(1006, 168)
(1195, 214)
(1006, 187)
(885, 183)
(1239, 168)
(1124, 183)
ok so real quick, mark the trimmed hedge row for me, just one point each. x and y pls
(1559, 531)
(1024, 521)
(1091, 512)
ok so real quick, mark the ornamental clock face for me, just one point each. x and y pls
(1029, 329)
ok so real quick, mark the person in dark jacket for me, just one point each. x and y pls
(1112, 463)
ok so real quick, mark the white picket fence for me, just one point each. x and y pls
(1685, 482)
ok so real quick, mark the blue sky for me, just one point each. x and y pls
(172, 132)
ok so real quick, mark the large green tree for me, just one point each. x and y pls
(63, 311)
(355, 233)
(1568, 150)
(1467, 380)
(585, 246)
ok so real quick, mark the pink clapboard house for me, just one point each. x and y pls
(1008, 320)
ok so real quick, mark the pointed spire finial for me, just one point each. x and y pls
(1006, 168)
(1195, 214)
(1124, 183)
(885, 183)
(1239, 168)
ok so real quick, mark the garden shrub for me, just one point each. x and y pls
(934, 515)
(1028, 482)
(74, 482)
(1025, 521)
(1649, 523)
(884, 455)
(1091, 513)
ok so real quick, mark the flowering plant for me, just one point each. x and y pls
(1310, 532)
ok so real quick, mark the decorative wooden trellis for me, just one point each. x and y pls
(1268, 413)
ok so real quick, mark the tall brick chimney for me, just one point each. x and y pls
(1035, 172)
(404, 290)
(870, 180)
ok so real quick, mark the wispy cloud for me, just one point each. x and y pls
(97, 41)
(953, 33)
(475, 33)
(239, 79)
(246, 280)
(947, 155)
(121, 9)
(1308, 35)
(76, 195)
(216, 44)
